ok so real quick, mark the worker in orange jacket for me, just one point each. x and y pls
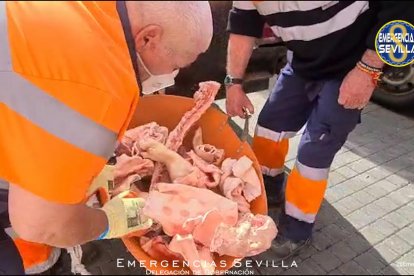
(70, 78)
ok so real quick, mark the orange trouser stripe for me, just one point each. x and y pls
(269, 153)
(32, 253)
(306, 194)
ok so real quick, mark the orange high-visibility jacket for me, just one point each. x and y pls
(68, 89)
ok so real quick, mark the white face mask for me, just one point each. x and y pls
(156, 82)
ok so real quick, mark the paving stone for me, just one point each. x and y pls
(385, 227)
(291, 271)
(369, 177)
(405, 263)
(346, 171)
(352, 268)
(349, 157)
(397, 244)
(397, 164)
(332, 196)
(343, 208)
(387, 204)
(335, 233)
(398, 180)
(363, 197)
(336, 178)
(405, 160)
(376, 191)
(343, 251)
(388, 270)
(407, 234)
(326, 260)
(372, 234)
(359, 219)
(340, 191)
(371, 261)
(351, 203)
(320, 241)
(374, 211)
(407, 173)
(362, 165)
(407, 212)
(97, 252)
(362, 150)
(386, 252)
(397, 219)
(310, 267)
(358, 243)
(307, 252)
(335, 272)
(401, 196)
(382, 157)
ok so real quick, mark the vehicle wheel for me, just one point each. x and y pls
(396, 89)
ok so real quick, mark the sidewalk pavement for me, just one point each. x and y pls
(366, 223)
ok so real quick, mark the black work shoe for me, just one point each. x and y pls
(275, 191)
(284, 248)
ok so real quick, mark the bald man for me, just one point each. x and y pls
(71, 75)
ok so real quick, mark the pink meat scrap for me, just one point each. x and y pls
(207, 152)
(252, 235)
(130, 165)
(176, 207)
(240, 182)
(203, 98)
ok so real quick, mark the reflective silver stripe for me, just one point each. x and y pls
(273, 135)
(270, 7)
(244, 5)
(312, 173)
(295, 212)
(5, 62)
(4, 185)
(47, 112)
(339, 21)
(271, 172)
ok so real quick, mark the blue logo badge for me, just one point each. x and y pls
(395, 43)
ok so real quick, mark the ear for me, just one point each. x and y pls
(148, 37)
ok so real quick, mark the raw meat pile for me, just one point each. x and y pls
(198, 199)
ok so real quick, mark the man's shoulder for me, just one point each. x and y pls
(67, 40)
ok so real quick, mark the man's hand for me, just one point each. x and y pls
(356, 90)
(236, 100)
(358, 86)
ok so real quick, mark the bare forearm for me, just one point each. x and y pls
(61, 226)
(371, 58)
(83, 225)
(239, 52)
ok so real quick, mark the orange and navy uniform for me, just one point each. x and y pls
(68, 88)
(68, 91)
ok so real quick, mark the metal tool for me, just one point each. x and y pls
(245, 132)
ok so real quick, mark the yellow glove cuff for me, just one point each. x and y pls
(125, 216)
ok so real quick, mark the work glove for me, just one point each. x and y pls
(125, 216)
(103, 184)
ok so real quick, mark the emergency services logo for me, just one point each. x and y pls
(395, 43)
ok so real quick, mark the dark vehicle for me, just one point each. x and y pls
(396, 89)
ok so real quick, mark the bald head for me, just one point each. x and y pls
(187, 26)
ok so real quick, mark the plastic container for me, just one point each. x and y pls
(167, 111)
